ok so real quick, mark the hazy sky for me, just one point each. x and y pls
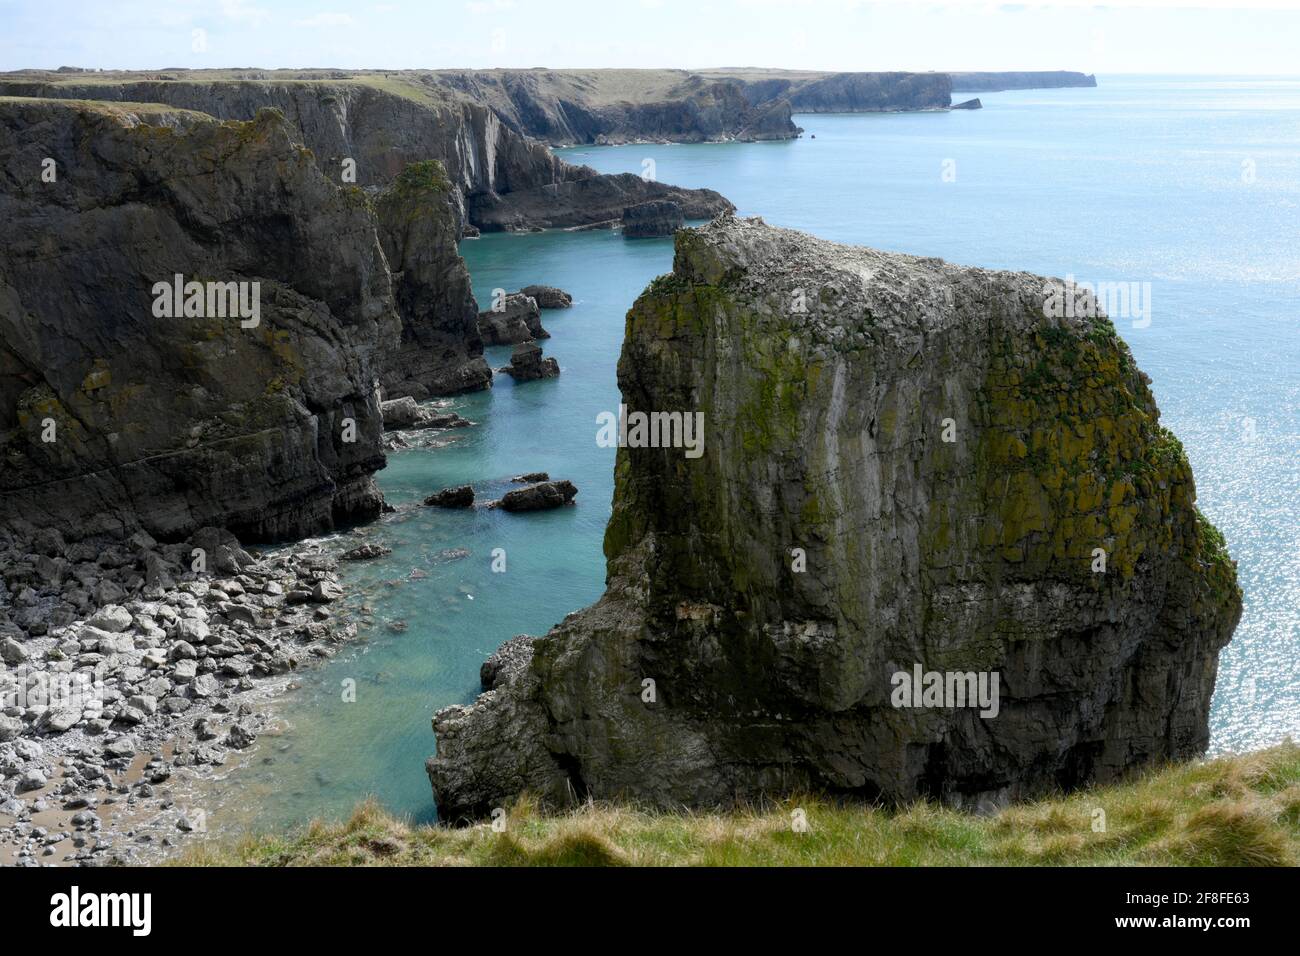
(1152, 36)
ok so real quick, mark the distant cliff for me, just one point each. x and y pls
(846, 92)
(907, 470)
(379, 123)
(564, 107)
(1041, 80)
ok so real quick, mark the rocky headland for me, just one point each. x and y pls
(989, 82)
(908, 468)
(366, 127)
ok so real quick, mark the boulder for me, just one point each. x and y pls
(527, 364)
(543, 495)
(461, 496)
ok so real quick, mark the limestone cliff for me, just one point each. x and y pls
(116, 413)
(439, 351)
(622, 106)
(379, 122)
(906, 464)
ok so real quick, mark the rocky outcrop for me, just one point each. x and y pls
(516, 320)
(908, 469)
(528, 365)
(461, 496)
(547, 297)
(250, 403)
(588, 202)
(406, 413)
(652, 219)
(539, 497)
(974, 104)
(382, 122)
(849, 92)
(439, 351)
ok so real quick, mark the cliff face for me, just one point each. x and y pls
(587, 202)
(856, 92)
(439, 351)
(384, 122)
(905, 465)
(621, 106)
(1034, 80)
(116, 413)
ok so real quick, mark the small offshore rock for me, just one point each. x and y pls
(528, 365)
(547, 296)
(546, 494)
(461, 496)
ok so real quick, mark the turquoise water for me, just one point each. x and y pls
(1139, 180)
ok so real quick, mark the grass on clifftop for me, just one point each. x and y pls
(1233, 811)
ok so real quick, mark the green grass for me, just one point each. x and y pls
(1232, 811)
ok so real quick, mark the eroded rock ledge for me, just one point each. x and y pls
(825, 432)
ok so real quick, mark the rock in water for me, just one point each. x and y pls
(907, 466)
(538, 497)
(527, 363)
(659, 217)
(406, 413)
(516, 320)
(461, 496)
(547, 296)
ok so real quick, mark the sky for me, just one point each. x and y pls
(1143, 36)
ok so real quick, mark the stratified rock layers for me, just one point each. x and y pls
(829, 378)
(173, 423)
(439, 351)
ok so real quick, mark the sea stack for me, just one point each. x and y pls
(909, 469)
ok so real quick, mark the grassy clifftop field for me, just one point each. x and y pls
(1233, 811)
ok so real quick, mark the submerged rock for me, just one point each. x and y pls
(366, 552)
(527, 364)
(659, 217)
(908, 470)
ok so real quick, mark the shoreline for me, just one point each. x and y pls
(179, 690)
